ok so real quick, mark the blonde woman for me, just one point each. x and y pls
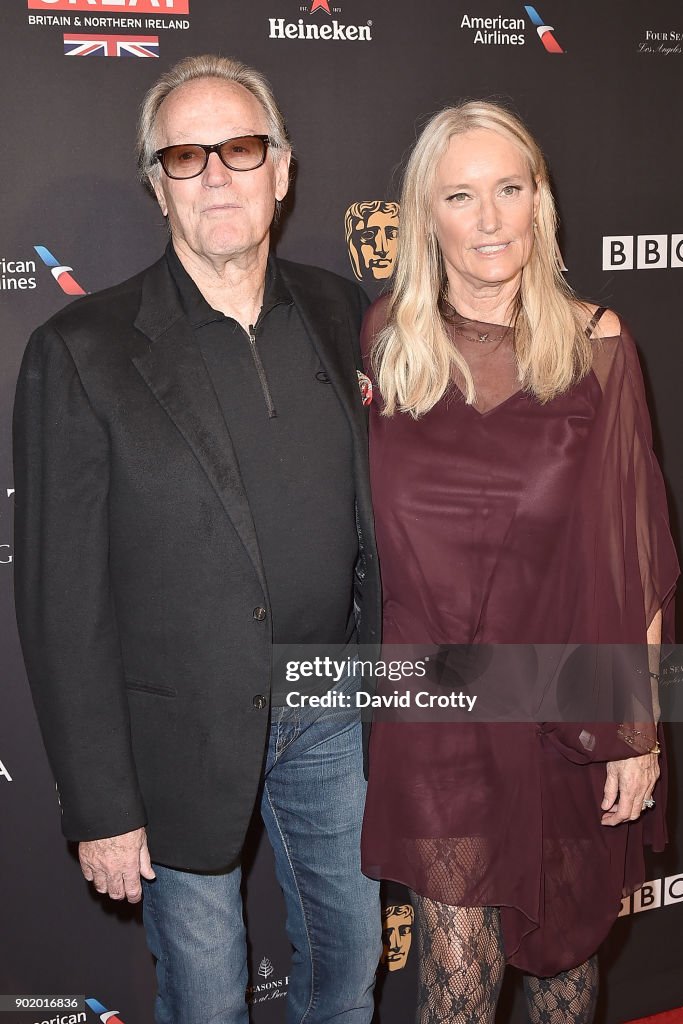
(517, 502)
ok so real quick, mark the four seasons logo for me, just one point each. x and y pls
(266, 987)
(265, 968)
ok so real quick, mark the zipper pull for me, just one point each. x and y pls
(260, 370)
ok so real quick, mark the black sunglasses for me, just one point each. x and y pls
(189, 159)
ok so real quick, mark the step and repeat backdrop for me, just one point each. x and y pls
(600, 82)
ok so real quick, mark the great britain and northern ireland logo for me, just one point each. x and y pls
(99, 28)
(162, 8)
(80, 45)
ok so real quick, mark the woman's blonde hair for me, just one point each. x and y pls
(413, 357)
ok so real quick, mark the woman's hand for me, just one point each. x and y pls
(628, 785)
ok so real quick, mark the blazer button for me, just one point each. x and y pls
(259, 613)
(259, 701)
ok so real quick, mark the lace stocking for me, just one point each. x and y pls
(461, 963)
(568, 998)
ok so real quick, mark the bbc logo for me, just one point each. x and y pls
(661, 892)
(652, 252)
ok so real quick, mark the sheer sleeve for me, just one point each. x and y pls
(373, 322)
(657, 560)
(613, 567)
(619, 555)
(633, 528)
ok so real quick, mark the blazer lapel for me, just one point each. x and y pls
(174, 371)
(327, 323)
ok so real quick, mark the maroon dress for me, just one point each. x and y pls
(516, 522)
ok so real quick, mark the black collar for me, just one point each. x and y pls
(197, 309)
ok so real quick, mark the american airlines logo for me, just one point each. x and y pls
(545, 32)
(17, 275)
(62, 274)
(503, 30)
(105, 1015)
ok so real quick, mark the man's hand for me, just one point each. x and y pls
(632, 782)
(114, 865)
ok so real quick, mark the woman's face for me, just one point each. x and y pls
(483, 207)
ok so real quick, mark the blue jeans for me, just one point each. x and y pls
(312, 807)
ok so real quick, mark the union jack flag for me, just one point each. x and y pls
(111, 46)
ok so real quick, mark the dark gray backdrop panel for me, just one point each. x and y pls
(607, 116)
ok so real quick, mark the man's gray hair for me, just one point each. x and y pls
(206, 65)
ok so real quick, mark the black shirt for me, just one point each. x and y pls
(293, 445)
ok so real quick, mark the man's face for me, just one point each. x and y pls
(397, 936)
(376, 241)
(220, 213)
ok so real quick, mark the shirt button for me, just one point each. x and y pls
(259, 613)
(259, 701)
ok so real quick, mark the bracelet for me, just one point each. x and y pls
(632, 739)
(652, 675)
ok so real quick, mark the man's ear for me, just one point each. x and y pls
(282, 175)
(155, 182)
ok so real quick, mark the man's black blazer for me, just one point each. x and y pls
(138, 573)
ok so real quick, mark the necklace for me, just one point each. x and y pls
(481, 339)
(496, 332)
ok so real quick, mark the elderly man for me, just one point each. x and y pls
(192, 504)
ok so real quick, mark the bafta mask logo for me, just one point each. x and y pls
(397, 935)
(372, 236)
